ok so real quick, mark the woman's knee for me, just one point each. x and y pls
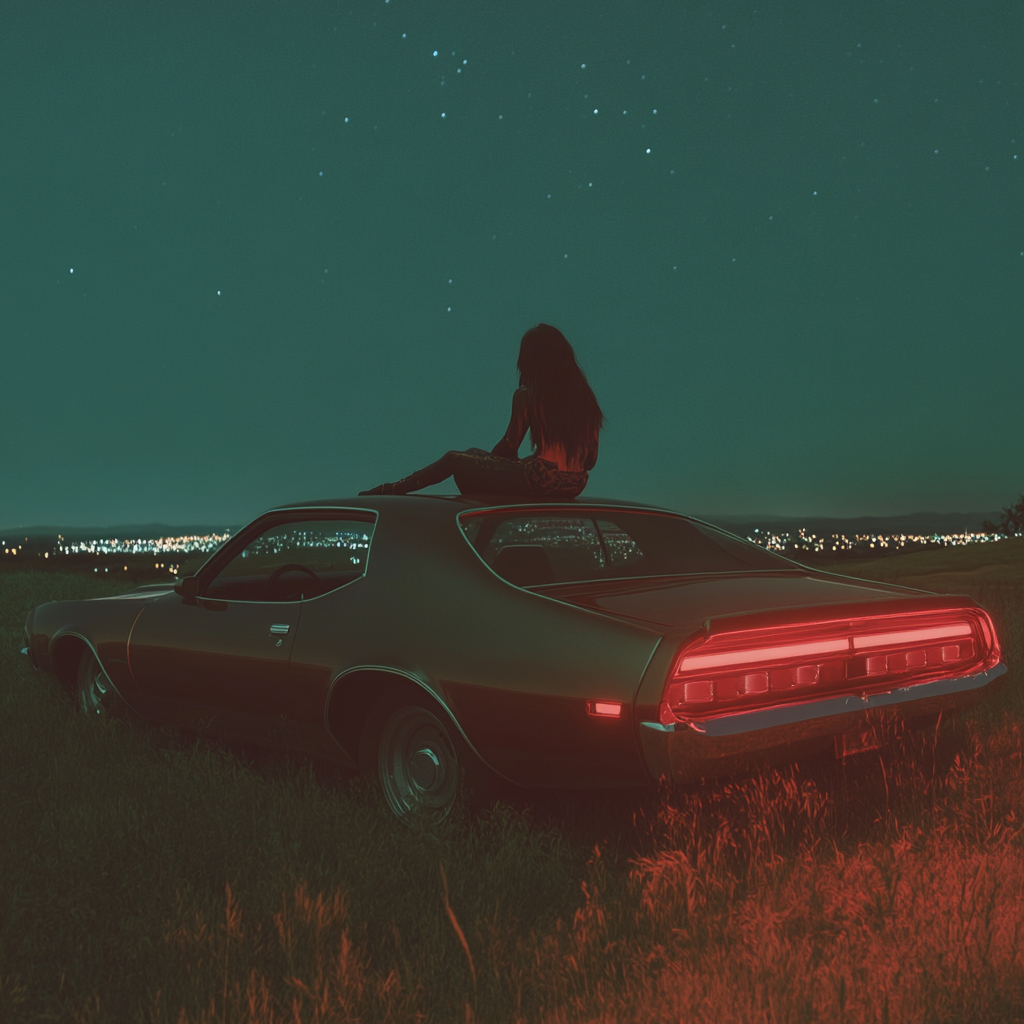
(461, 460)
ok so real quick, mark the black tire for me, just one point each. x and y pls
(95, 696)
(418, 761)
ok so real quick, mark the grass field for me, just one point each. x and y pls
(149, 876)
(954, 569)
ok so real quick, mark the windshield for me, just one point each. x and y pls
(537, 547)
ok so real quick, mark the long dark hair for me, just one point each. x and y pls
(563, 409)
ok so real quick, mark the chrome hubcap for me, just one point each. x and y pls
(419, 769)
(425, 768)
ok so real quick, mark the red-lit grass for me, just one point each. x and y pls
(748, 905)
(146, 878)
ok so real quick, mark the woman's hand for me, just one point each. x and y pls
(504, 450)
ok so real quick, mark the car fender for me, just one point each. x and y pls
(59, 631)
(350, 698)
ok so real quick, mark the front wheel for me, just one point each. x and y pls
(415, 755)
(94, 693)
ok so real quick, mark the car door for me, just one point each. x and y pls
(226, 652)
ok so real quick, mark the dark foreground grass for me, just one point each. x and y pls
(147, 876)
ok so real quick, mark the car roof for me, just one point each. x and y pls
(442, 504)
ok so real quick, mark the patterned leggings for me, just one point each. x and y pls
(479, 472)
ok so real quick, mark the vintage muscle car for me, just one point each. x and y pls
(440, 643)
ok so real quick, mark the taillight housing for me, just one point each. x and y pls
(739, 664)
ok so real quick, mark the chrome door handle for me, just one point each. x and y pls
(279, 628)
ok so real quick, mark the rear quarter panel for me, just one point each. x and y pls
(514, 668)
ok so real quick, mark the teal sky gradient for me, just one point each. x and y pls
(806, 298)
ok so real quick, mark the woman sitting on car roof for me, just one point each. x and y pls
(555, 403)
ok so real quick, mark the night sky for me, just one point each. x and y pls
(261, 252)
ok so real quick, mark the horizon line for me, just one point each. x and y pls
(47, 528)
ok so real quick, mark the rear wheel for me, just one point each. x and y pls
(421, 764)
(94, 693)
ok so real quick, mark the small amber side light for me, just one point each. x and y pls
(604, 708)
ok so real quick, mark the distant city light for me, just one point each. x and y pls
(143, 546)
(804, 540)
(169, 551)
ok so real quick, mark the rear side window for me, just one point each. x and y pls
(537, 548)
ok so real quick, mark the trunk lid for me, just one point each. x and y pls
(686, 603)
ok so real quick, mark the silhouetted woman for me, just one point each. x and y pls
(554, 402)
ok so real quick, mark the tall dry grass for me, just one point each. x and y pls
(145, 876)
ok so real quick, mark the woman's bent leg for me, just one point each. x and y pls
(475, 471)
(432, 474)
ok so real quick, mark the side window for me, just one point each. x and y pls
(622, 549)
(532, 550)
(295, 560)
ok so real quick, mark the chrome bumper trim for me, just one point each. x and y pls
(788, 714)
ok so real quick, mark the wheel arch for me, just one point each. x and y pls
(354, 693)
(66, 653)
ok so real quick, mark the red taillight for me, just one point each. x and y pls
(604, 708)
(753, 666)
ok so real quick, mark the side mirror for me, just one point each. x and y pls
(187, 587)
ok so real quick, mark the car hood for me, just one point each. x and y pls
(689, 602)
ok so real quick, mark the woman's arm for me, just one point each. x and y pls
(508, 446)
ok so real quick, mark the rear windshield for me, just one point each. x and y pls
(541, 547)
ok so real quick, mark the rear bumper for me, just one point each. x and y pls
(730, 743)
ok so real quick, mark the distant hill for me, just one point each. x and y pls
(127, 531)
(948, 570)
(923, 523)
